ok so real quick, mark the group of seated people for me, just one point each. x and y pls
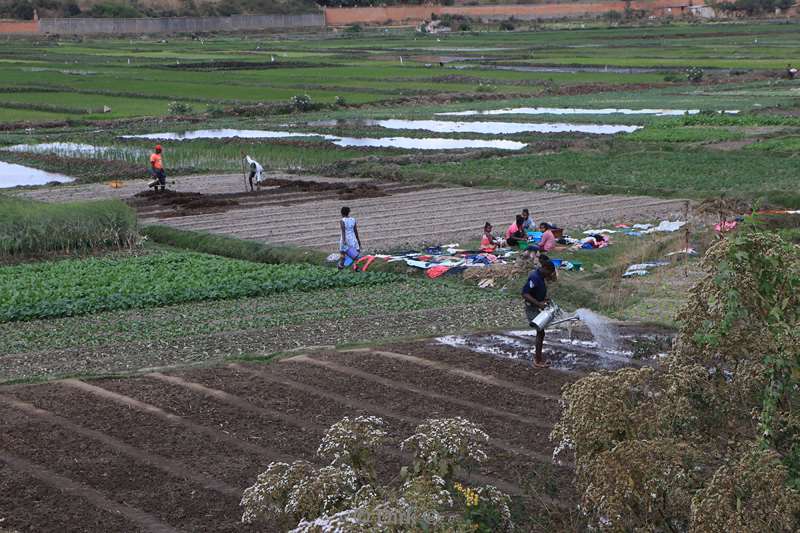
(518, 232)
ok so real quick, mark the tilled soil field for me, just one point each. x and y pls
(390, 215)
(173, 451)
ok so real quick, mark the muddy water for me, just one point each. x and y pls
(382, 142)
(578, 111)
(12, 175)
(566, 349)
(485, 127)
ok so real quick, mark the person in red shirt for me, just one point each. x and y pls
(157, 170)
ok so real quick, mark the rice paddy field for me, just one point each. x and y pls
(157, 350)
(77, 100)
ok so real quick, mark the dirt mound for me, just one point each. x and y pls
(343, 191)
(186, 201)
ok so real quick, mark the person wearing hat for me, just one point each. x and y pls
(157, 170)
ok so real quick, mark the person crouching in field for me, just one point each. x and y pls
(534, 293)
(157, 170)
(349, 242)
(254, 169)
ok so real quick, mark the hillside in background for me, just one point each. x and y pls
(24, 9)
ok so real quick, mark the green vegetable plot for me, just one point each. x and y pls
(77, 287)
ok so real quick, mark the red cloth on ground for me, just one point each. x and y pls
(435, 272)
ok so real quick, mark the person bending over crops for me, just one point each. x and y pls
(157, 170)
(489, 242)
(349, 242)
(534, 293)
(515, 234)
(254, 169)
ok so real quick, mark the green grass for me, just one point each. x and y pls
(28, 227)
(625, 168)
(221, 245)
(85, 286)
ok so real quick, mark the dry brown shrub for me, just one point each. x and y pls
(745, 496)
(648, 442)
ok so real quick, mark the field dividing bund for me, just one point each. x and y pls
(172, 450)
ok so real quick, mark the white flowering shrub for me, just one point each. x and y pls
(441, 445)
(270, 494)
(344, 496)
(354, 442)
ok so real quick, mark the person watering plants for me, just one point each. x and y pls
(349, 241)
(157, 170)
(534, 293)
(254, 169)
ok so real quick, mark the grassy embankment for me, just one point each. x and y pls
(30, 228)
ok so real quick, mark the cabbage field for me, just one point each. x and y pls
(77, 287)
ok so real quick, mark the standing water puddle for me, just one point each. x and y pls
(489, 128)
(427, 143)
(578, 111)
(568, 349)
(409, 143)
(12, 175)
(218, 134)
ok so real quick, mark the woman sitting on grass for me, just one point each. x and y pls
(548, 240)
(515, 234)
(349, 242)
(489, 242)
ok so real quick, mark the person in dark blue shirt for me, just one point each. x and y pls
(535, 295)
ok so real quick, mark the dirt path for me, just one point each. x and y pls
(162, 443)
(408, 215)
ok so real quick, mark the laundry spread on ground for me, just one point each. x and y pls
(642, 269)
(451, 259)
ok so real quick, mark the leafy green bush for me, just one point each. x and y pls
(179, 108)
(507, 25)
(114, 10)
(301, 102)
(28, 227)
(694, 74)
(81, 286)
